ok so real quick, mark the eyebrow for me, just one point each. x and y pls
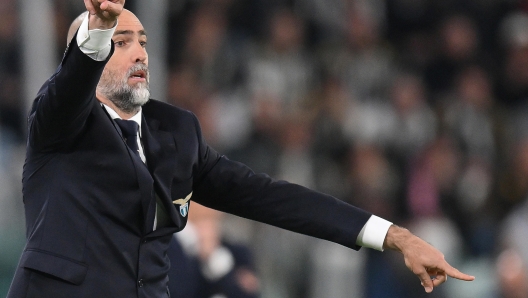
(130, 32)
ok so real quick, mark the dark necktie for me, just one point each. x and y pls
(129, 129)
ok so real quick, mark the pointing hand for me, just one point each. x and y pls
(422, 258)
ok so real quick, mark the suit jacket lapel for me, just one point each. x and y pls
(160, 152)
(145, 180)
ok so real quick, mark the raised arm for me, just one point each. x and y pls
(63, 103)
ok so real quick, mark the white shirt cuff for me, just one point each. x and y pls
(373, 233)
(95, 43)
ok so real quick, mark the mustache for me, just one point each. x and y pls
(139, 67)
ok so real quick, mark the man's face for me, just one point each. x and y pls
(125, 78)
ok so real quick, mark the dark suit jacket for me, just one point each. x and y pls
(89, 200)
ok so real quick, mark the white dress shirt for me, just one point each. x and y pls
(96, 44)
(136, 118)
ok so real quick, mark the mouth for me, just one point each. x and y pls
(139, 75)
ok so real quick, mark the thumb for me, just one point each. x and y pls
(427, 283)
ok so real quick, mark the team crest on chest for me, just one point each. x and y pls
(184, 209)
(184, 204)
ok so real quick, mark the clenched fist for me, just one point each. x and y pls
(103, 13)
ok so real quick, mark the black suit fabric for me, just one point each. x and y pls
(90, 201)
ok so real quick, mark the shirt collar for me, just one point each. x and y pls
(136, 118)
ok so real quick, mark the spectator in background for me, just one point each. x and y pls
(512, 182)
(512, 274)
(185, 88)
(289, 252)
(513, 79)
(280, 67)
(512, 262)
(11, 143)
(326, 19)
(11, 115)
(510, 200)
(331, 106)
(361, 59)
(280, 71)
(205, 265)
(415, 123)
(469, 113)
(470, 117)
(261, 147)
(432, 179)
(458, 44)
(432, 208)
(209, 50)
(12, 225)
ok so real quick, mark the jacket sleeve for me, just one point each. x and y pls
(233, 187)
(63, 103)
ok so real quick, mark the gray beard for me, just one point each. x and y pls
(125, 97)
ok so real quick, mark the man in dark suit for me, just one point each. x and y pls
(103, 196)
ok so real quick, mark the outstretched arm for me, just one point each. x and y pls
(422, 258)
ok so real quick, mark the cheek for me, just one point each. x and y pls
(117, 62)
(114, 60)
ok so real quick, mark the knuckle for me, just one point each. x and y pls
(418, 270)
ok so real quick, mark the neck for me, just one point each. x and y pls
(124, 115)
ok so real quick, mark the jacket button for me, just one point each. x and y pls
(140, 283)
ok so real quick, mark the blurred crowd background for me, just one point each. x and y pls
(415, 110)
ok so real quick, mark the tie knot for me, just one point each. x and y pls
(129, 128)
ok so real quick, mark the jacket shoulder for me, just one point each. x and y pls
(168, 115)
(158, 108)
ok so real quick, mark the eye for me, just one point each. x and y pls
(143, 43)
(119, 43)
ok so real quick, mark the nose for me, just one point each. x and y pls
(140, 53)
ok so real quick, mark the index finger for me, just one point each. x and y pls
(453, 272)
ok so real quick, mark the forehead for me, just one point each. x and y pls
(129, 22)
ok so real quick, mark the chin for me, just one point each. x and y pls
(141, 96)
(138, 85)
